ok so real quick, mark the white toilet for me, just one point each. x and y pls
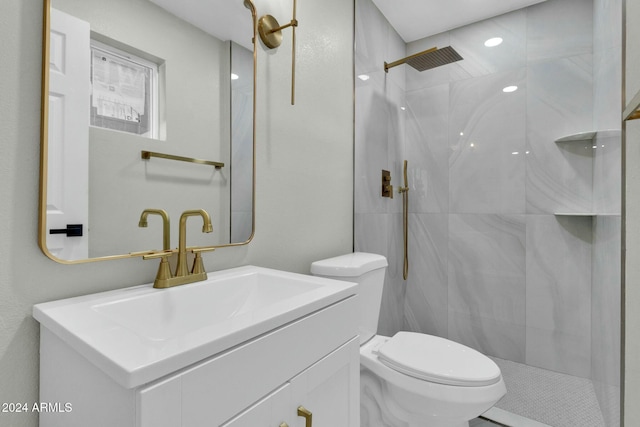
(411, 379)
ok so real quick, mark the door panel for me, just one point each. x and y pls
(68, 141)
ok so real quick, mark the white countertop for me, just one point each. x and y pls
(139, 334)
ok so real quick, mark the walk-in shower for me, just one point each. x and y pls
(513, 232)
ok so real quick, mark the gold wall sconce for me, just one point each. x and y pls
(271, 35)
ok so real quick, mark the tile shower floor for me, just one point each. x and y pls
(538, 397)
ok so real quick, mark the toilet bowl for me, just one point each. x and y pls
(411, 379)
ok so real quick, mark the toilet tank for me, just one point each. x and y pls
(368, 271)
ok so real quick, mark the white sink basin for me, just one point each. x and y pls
(184, 309)
(139, 334)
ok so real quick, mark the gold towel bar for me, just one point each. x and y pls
(146, 155)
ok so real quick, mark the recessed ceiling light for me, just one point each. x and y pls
(363, 77)
(234, 76)
(492, 42)
(510, 89)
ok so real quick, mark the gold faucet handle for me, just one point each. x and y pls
(163, 276)
(198, 265)
(143, 253)
(199, 249)
(157, 254)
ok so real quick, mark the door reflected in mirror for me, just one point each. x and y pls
(127, 76)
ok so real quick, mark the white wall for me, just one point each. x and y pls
(304, 192)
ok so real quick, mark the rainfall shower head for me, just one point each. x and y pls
(428, 59)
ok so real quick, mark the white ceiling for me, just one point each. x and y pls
(412, 19)
(224, 19)
(416, 19)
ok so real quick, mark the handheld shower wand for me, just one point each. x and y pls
(405, 221)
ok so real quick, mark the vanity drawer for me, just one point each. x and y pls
(218, 389)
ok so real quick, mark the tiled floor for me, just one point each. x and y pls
(548, 397)
(541, 398)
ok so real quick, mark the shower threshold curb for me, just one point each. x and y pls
(510, 419)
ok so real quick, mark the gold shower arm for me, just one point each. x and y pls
(403, 60)
(428, 59)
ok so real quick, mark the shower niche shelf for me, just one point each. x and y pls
(588, 136)
(582, 136)
(575, 214)
(592, 214)
(594, 139)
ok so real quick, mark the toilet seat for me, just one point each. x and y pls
(437, 360)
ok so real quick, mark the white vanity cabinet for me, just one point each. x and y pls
(325, 390)
(312, 361)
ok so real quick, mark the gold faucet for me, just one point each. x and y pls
(166, 234)
(181, 269)
(164, 278)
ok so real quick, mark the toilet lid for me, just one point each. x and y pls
(438, 360)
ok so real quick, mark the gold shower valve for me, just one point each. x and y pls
(387, 188)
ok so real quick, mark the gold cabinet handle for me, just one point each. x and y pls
(306, 414)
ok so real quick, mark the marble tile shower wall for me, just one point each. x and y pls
(379, 136)
(491, 265)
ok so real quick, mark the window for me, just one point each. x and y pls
(124, 93)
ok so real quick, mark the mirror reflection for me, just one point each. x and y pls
(128, 77)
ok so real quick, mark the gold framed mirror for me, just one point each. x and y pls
(146, 104)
